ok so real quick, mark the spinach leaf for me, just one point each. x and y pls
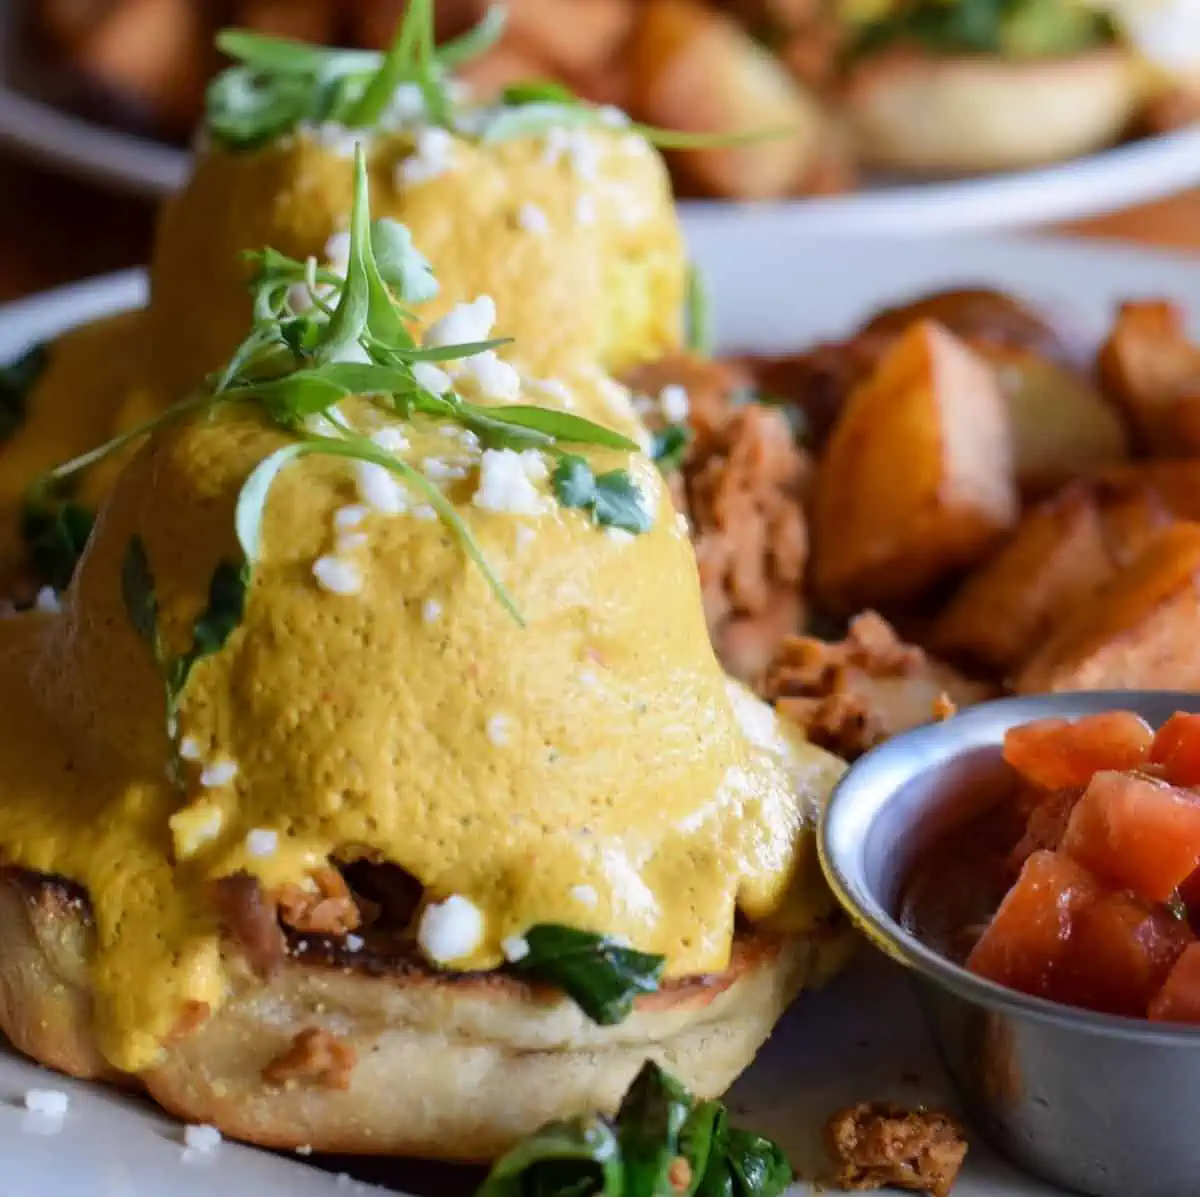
(649, 1123)
(601, 976)
(579, 1158)
(17, 379)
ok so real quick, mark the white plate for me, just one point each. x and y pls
(861, 1039)
(1104, 182)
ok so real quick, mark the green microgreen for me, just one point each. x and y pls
(211, 629)
(662, 1143)
(669, 447)
(599, 974)
(697, 314)
(613, 499)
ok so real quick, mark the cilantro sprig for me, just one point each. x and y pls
(662, 1141)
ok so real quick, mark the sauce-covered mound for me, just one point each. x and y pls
(1101, 888)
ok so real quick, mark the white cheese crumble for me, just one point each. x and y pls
(349, 541)
(194, 826)
(584, 894)
(47, 601)
(681, 524)
(433, 378)
(431, 611)
(463, 324)
(335, 137)
(338, 576)
(525, 535)
(51, 1102)
(450, 930)
(189, 748)
(304, 1149)
(347, 518)
(494, 377)
(578, 146)
(497, 729)
(514, 947)
(390, 439)
(379, 488)
(354, 943)
(612, 117)
(673, 399)
(585, 210)
(587, 677)
(552, 388)
(262, 842)
(505, 484)
(433, 155)
(439, 469)
(619, 535)
(219, 773)
(533, 220)
(199, 1141)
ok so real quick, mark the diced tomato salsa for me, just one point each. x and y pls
(1104, 903)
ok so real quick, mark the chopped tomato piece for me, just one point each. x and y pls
(1060, 754)
(1046, 825)
(1179, 998)
(1120, 953)
(1025, 945)
(1137, 833)
(1177, 749)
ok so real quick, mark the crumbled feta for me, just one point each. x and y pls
(552, 388)
(534, 465)
(321, 425)
(425, 511)
(585, 210)
(334, 137)
(349, 541)
(498, 728)
(262, 842)
(525, 535)
(347, 518)
(681, 524)
(450, 930)
(433, 378)
(338, 576)
(578, 146)
(51, 1102)
(47, 601)
(304, 1149)
(431, 611)
(407, 107)
(620, 535)
(584, 894)
(612, 117)
(505, 485)
(587, 677)
(354, 943)
(189, 748)
(194, 826)
(494, 377)
(470, 441)
(533, 220)
(463, 324)
(514, 947)
(433, 155)
(200, 1141)
(390, 439)
(219, 773)
(379, 488)
(438, 469)
(673, 399)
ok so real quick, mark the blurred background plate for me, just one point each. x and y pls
(32, 123)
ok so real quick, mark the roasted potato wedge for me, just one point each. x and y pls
(1175, 483)
(1063, 427)
(1150, 367)
(697, 70)
(1062, 552)
(917, 480)
(925, 114)
(1134, 634)
(578, 37)
(304, 20)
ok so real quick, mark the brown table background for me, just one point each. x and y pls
(54, 230)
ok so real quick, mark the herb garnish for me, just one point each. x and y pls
(16, 381)
(600, 975)
(277, 84)
(697, 314)
(669, 446)
(662, 1143)
(211, 630)
(55, 530)
(612, 499)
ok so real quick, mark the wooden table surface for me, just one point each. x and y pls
(54, 230)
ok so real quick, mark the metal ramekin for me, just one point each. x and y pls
(1104, 1105)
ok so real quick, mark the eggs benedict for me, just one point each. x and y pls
(376, 787)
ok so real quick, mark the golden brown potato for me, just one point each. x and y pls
(696, 70)
(1136, 633)
(1176, 483)
(1152, 370)
(577, 37)
(1063, 428)
(927, 114)
(1062, 552)
(917, 478)
(373, 23)
(155, 52)
(509, 61)
(305, 20)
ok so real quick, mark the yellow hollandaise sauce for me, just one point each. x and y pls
(593, 768)
(572, 232)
